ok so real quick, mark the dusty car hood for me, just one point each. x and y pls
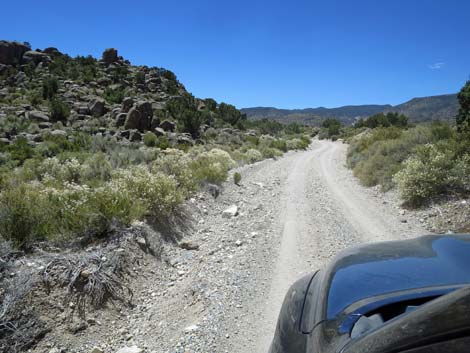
(380, 268)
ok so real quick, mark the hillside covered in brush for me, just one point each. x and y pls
(443, 107)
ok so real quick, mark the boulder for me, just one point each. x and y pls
(97, 107)
(155, 123)
(4, 141)
(125, 134)
(135, 136)
(45, 125)
(230, 212)
(184, 139)
(189, 245)
(36, 57)
(139, 117)
(109, 56)
(12, 52)
(121, 119)
(83, 110)
(127, 104)
(58, 133)
(159, 131)
(132, 119)
(37, 116)
(168, 125)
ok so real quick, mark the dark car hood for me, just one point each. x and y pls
(381, 268)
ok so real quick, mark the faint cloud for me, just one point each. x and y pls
(436, 66)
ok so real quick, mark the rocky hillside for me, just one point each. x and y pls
(57, 94)
(443, 107)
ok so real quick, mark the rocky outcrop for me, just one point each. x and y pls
(97, 107)
(36, 57)
(12, 52)
(168, 125)
(109, 56)
(139, 117)
(37, 116)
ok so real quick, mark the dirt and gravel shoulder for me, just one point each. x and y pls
(222, 289)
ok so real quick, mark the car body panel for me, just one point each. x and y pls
(368, 277)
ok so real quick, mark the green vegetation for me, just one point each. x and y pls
(58, 110)
(383, 120)
(50, 88)
(463, 116)
(423, 161)
(237, 178)
(330, 129)
(66, 174)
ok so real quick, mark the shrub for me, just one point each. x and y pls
(35, 98)
(253, 156)
(97, 167)
(114, 96)
(24, 214)
(139, 77)
(463, 115)
(280, 145)
(237, 177)
(157, 192)
(298, 143)
(20, 150)
(424, 175)
(269, 152)
(150, 139)
(212, 166)
(81, 210)
(162, 142)
(50, 87)
(59, 110)
(177, 164)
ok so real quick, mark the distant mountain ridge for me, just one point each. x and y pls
(442, 107)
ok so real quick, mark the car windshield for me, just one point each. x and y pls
(443, 261)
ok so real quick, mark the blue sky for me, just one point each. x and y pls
(289, 54)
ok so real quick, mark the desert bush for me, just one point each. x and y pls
(158, 193)
(280, 144)
(425, 174)
(252, 156)
(237, 177)
(12, 125)
(298, 143)
(150, 139)
(35, 98)
(212, 166)
(24, 214)
(52, 171)
(97, 167)
(269, 152)
(162, 142)
(58, 110)
(20, 150)
(50, 87)
(114, 95)
(177, 164)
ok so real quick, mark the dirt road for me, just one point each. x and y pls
(223, 293)
(321, 210)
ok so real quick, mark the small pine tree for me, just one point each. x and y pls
(463, 116)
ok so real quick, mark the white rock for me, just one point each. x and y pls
(97, 350)
(133, 349)
(230, 212)
(191, 328)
